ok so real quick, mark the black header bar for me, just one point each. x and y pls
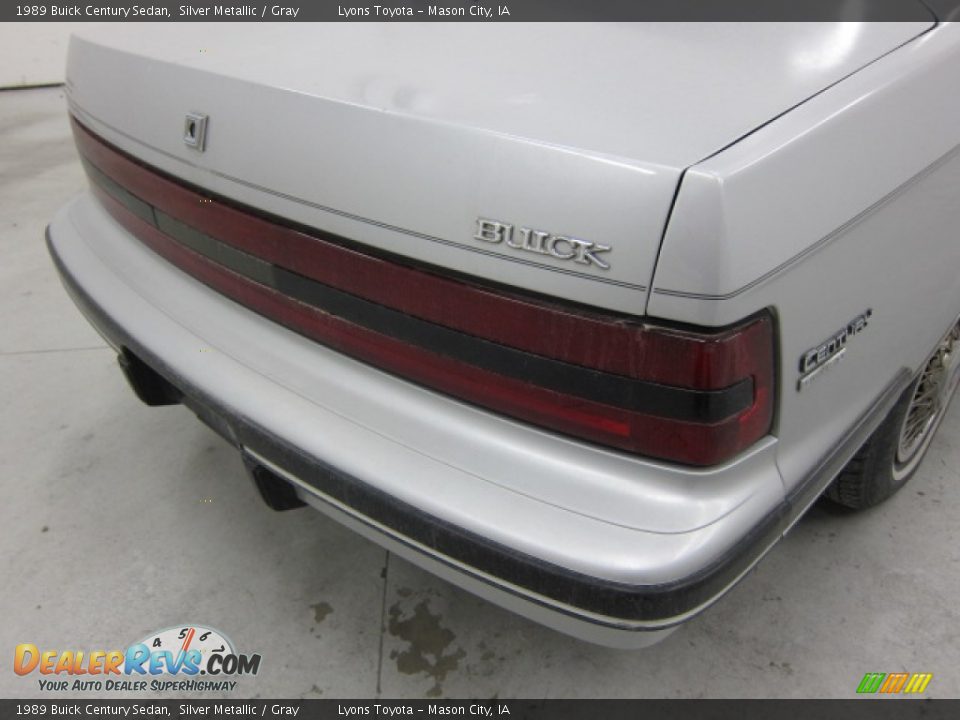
(892, 708)
(482, 10)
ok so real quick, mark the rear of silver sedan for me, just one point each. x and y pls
(593, 540)
(424, 314)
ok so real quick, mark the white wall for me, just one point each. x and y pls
(33, 53)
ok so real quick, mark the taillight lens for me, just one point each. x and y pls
(709, 362)
(696, 397)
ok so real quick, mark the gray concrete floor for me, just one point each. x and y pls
(118, 519)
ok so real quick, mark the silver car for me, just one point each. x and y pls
(583, 332)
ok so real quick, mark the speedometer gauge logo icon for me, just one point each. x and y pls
(181, 639)
(188, 649)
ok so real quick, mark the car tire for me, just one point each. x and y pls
(892, 454)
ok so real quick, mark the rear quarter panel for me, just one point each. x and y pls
(848, 202)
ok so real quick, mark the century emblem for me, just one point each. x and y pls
(562, 247)
(831, 351)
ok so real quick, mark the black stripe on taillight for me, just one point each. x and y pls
(704, 406)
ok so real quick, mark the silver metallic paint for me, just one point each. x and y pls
(852, 190)
(603, 133)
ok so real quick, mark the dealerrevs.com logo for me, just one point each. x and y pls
(171, 659)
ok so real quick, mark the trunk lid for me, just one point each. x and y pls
(402, 136)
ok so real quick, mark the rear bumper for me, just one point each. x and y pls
(594, 543)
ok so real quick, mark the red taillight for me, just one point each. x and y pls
(709, 362)
(690, 396)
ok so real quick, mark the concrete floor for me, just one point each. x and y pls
(118, 520)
